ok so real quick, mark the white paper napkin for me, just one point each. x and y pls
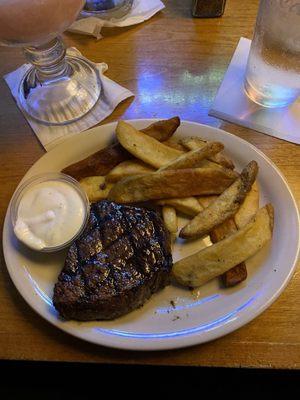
(112, 94)
(141, 11)
(232, 104)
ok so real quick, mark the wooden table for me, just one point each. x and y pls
(174, 64)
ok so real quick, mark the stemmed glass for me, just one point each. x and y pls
(106, 9)
(57, 88)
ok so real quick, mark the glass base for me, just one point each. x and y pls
(107, 9)
(265, 100)
(63, 99)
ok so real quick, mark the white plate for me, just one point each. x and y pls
(197, 317)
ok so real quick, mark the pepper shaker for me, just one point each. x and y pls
(208, 8)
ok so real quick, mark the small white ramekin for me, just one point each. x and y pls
(51, 176)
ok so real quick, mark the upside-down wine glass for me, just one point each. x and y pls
(57, 88)
(106, 9)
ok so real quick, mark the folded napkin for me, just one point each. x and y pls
(112, 94)
(141, 11)
(232, 104)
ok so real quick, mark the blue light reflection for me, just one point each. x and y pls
(205, 327)
(166, 310)
(38, 290)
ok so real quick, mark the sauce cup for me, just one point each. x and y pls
(47, 180)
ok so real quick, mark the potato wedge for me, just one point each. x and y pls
(162, 130)
(186, 205)
(205, 201)
(247, 211)
(194, 143)
(128, 168)
(238, 273)
(211, 164)
(170, 219)
(95, 187)
(171, 184)
(235, 275)
(174, 143)
(249, 207)
(194, 158)
(99, 163)
(145, 148)
(208, 263)
(224, 207)
(104, 160)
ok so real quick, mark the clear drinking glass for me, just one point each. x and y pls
(57, 89)
(273, 70)
(106, 8)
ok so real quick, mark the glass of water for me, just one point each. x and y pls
(273, 69)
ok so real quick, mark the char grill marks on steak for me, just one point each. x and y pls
(122, 257)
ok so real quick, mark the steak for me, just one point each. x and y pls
(122, 257)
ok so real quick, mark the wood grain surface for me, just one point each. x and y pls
(174, 64)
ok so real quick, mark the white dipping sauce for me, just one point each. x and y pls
(49, 214)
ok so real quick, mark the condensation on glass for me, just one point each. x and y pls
(273, 69)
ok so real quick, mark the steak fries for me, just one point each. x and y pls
(212, 261)
(238, 273)
(170, 220)
(189, 176)
(171, 183)
(96, 187)
(224, 207)
(144, 147)
(104, 160)
(186, 205)
(249, 207)
(194, 158)
(128, 168)
(194, 143)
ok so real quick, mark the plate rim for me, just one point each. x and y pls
(169, 344)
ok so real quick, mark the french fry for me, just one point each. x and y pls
(224, 207)
(193, 143)
(194, 158)
(170, 219)
(162, 130)
(249, 207)
(128, 168)
(174, 143)
(235, 275)
(95, 187)
(143, 147)
(171, 184)
(213, 165)
(212, 261)
(187, 205)
(104, 160)
(238, 273)
(205, 201)
(99, 163)
(244, 214)
(225, 229)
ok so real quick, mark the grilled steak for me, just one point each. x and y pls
(122, 257)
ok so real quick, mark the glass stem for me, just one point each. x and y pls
(49, 61)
